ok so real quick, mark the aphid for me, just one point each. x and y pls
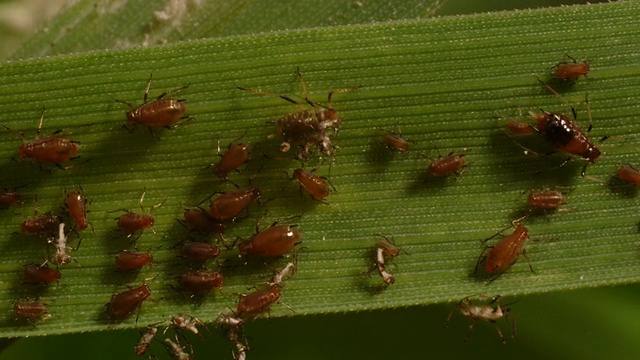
(385, 249)
(276, 240)
(197, 219)
(146, 337)
(131, 260)
(251, 305)
(506, 252)
(451, 164)
(160, 112)
(486, 312)
(229, 205)
(199, 251)
(45, 225)
(563, 134)
(188, 323)
(316, 186)
(178, 350)
(125, 303)
(77, 208)
(62, 257)
(201, 281)
(52, 149)
(309, 128)
(629, 174)
(571, 71)
(41, 274)
(393, 141)
(8, 198)
(546, 199)
(519, 128)
(233, 158)
(30, 310)
(132, 223)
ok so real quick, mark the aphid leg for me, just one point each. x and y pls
(499, 331)
(524, 252)
(481, 258)
(260, 92)
(471, 327)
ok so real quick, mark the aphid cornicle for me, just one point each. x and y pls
(45, 225)
(274, 241)
(199, 251)
(52, 149)
(309, 128)
(233, 158)
(316, 186)
(505, 253)
(488, 312)
(77, 207)
(160, 112)
(229, 205)
(30, 310)
(571, 71)
(41, 274)
(201, 281)
(8, 198)
(628, 174)
(131, 260)
(125, 303)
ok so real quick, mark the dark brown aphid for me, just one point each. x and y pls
(45, 225)
(316, 186)
(571, 71)
(276, 240)
(132, 223)
(506, 252)
(229, 205)
(160, 112)
(131, 260)
(197, 219)
(124, 304)
(233, 158)
(251, 305)
(77, 208)
(546, 199)
(519, 128)
(486, 312)
(30, 310)
(629, 174)
(8, 198)
(309, 128)
(451, 164)
(41, 274)
(199, 251)
(52, 149)
(201, 281)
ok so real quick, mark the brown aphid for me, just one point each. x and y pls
(519, 128)
(233, 158)
(451, 164)
(201, 281)
(52, 149)
(628, 174)
(160, 112)
(571, 71)
(199, 251)
(565, 135)
(8, 198)
(197, 219)
(132, 223)
(122, 305)
(30, 310)
(486, 312)
(316, 186)
(45, 225)
(395, 142)
(506, 252)
(132, 260)
(255, 303)
(546, 199)
(41, 274)
(229, 205)
(77, 208)
(274, 241)
(309, 128)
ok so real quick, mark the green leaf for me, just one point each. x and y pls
(440, 81)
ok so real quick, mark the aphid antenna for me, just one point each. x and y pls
(260, 92)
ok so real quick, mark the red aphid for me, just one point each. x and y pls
(201, 281)
(199, 251)
(229, 205)
(629, 174)
(316, 186)
(197, 219)
(546, 199)
(274, 241)
(130, 223)
(77, 208)
(395, 142)
(251, 305)
(46, 225)
(124, 304)
(506, 252)
(30, 310)
(8, 198)
(448, 165)
(43, 274)
(130, 260)
(232, 159)
(519, 128)
(572, 71)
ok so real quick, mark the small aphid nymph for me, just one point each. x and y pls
(546, 199)
(131, 223)
(44, 225)
(199, 251)
(233, 158)
(489, 312)
(449, 165)
(571, 71)
(505, 253)
(133, 260)
(41, 274)
(77, 208)
(628, 174)
(316, 186)
(519, 128)
(122, 305)
(30, 310)
(201, 281)
(255, 303)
